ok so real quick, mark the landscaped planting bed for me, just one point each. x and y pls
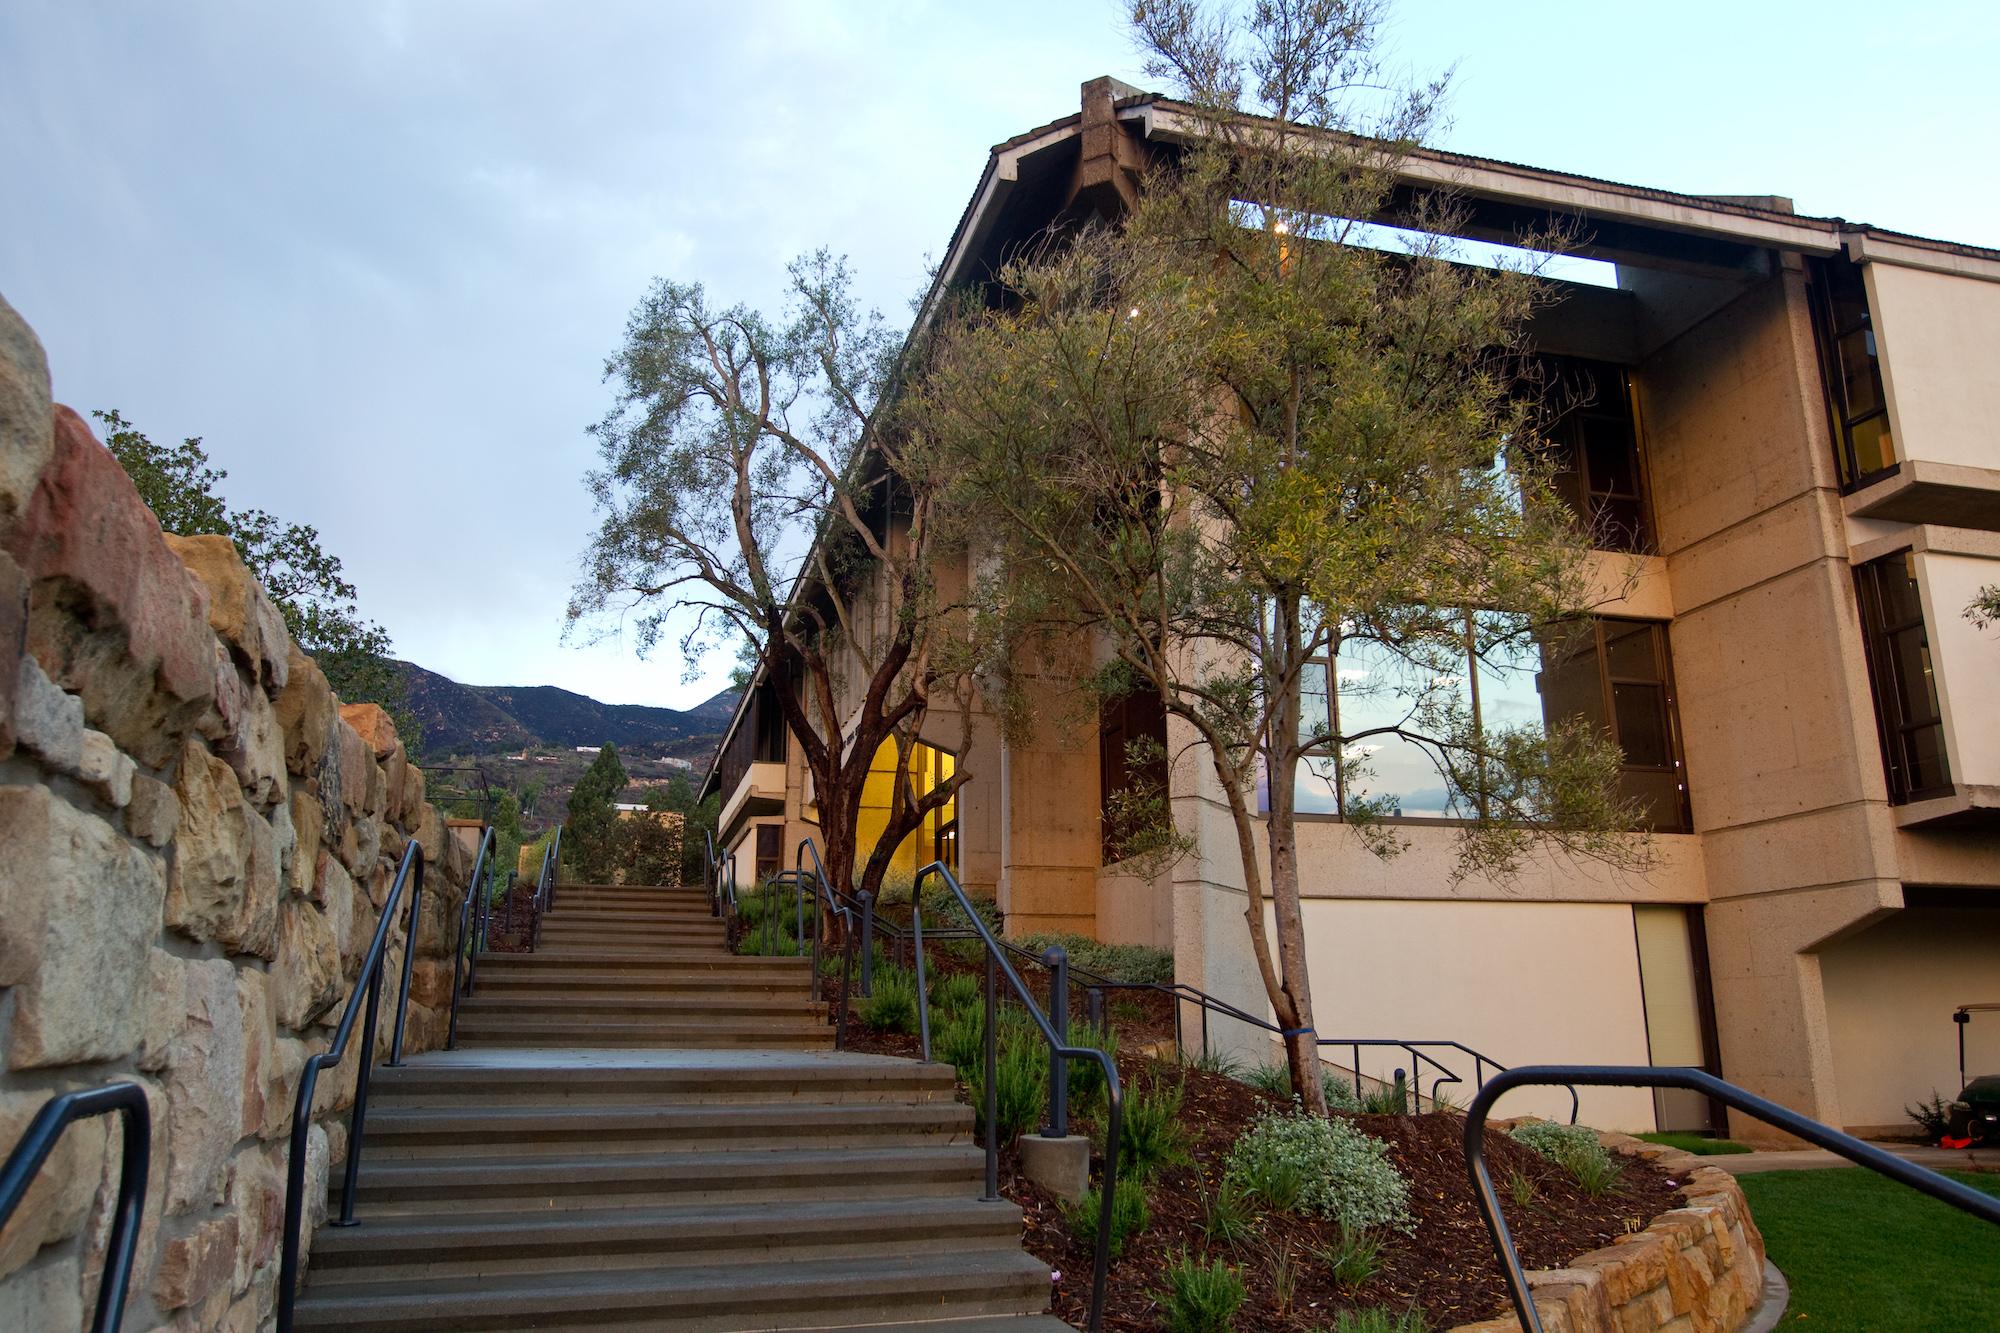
(1414, 1250)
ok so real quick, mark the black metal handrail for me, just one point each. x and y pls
(1939, 1187)
(1059, 1050)
(58, 1114)
(545, 888)
(1416, 1047)
(369, 983)
(470, 939)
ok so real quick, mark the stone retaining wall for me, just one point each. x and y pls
(1698, 1268)
(198, 840)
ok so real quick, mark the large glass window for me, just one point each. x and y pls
(937, 837)
(1851, 363)
(1905, 681)
(1614, 673)
(1593, 443)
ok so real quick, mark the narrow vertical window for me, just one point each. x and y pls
(1904, 679)
(1593, 442)
(1851, 363)
(1618, 676)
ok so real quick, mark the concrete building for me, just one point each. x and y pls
(1792, 441)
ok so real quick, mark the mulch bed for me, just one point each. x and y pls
(1445, 1267)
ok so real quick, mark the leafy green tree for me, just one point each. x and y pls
(1984, 610)
(741, 490)
(1230, 444)
(590, 834)
(303, 579)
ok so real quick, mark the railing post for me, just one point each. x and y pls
(868, 945)
(992, 1080)
(409, 962)
(1095, 999)
(358, 1116)
(1058, 964)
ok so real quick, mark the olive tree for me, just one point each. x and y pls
(1242, 442)
(751, 486)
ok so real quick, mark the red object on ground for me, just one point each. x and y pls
(1949, 1142)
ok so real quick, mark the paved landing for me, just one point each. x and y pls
(1817, 1159)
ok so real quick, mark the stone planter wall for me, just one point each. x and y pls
(1698, 1268)
(196, 840)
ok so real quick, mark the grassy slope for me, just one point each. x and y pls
(1698, 1144)
(1864, 1253)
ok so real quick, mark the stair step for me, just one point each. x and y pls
(445, 1245)
(697, 1078)
(732, 1001)
(486, 1030)
(410, 1133)
(583, 1180)
(837, 1293)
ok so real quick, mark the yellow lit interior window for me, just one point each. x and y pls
(936, 839)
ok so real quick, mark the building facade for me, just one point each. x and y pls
(1788, 436)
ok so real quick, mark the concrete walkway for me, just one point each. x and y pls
(1815, 1159)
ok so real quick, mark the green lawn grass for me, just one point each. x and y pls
(1864, 1253)
(1697, 1144)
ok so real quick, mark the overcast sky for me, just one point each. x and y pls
(376, 252)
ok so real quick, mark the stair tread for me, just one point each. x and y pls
(408, 1230)
(802, 1115)
(737, 1283)
(683, 1165)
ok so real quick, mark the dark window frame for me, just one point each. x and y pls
(1895, 732)
(1614, 404)
(1120, 721)
(1595, 644)
(1828, 333)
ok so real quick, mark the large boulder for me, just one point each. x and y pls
(224, 884)
(239, 609)
(204, 1080)
(79, 910)
(27, 435)
(114, 616)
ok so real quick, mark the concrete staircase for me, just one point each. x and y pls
(641, 1130)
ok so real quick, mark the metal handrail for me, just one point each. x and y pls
(1059, 1049)
(1182, 992)
(467, 940)
(58, 1114)
(369, 980)
(545, 888)
(1939, 1187)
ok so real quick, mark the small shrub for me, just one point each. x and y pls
(1354, 1258)
(1129, 1215)
(892, 1007)
(1339, 1093)
(896, 889)
(1932, 1117)
(1387, 1099)
(1227, 1216)
(1521, 1188)
(1200, 1297)
(1343, 1173)
(1217, 1062)
(1574, 1148)
(961, 1041)
(1284, 1274)
(1086, 1077)
(1380, 1320)
(957, 991)
(1275, 1079)
(1021, 1086)
(1134, 963)
(1152, 1135)
(942, 912)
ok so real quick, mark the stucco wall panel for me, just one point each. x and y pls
(1940, 341)
(1890, 992)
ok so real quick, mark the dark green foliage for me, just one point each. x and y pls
(1129, 1215)
(1932, 1117)
(1228, 1217)
(892, 1007)
(303, 579)
(1153, 1136)
(943, 912)
(1380, 1320)
(1354, 1258)
(1086, 1076)
(648, 849)
(1114, 962)
(1200, 1297)
(1215, 1062)
(959, 990)
(1699, 1144)
(1021, 1090)
(960, 1041)
(1387, 1099)
(590, 834)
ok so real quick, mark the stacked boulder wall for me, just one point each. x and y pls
(199, 839)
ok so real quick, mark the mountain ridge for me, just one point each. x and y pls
(493, 719)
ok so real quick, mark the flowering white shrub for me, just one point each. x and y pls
(1334, 1169)
(1571, 1147)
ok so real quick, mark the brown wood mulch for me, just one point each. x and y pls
(1445, 1267)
